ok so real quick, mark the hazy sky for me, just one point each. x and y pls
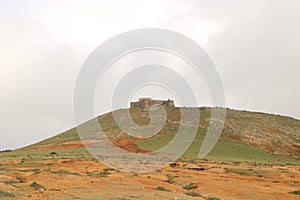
(254, 44)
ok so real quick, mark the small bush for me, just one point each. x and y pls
(193, 194)
(66, 172)
(247, 172)
(54, 189)
(109, 169)
(5, 151)
(36, 186)
(160, 188)
(297, 192)
(37, 171)
(9, 182)
(213, 198)
(100, 174)
(173, 165)
(189, 186)
(21, 179)
(103, 174)
(6, 194)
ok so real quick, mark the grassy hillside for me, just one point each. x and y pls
(247, 136)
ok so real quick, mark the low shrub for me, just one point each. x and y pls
(66, 172)
(36, 186)
(9, 182)
(213, 198)
(6, 194)
(160, 188)
(99, 174)
(297, 192)
(21, 179)
(193, 194)
(189, 186)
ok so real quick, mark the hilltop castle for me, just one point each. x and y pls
(146, 103)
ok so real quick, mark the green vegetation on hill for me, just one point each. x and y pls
(68, 136)
(226, 149)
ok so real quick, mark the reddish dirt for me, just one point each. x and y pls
(129, 145)
(64, 145)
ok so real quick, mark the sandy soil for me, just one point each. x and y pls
(89, 179)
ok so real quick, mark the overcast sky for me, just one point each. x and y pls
(255, 46)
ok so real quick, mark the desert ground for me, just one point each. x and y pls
(89, 179)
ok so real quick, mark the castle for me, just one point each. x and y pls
(145, 103)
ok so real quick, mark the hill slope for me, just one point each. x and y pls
(247, 136)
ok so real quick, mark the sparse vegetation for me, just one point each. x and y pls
(4, 194)
(109, 169)
(35, 171)
(10, 182)
(36, 186)
(213, 198)
(259, 173)
(283, 170)
(297, 192)
(66, 172)
(22, 179)
(161, 188)
(189, 186)
(53, 189)
(229, 147)
(5, 151)
(193, 194)
(98, 174)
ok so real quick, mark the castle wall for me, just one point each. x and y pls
(146, 103)
(137, 104)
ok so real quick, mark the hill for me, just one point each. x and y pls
(247, 137)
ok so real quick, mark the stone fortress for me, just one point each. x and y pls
(145, 103)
